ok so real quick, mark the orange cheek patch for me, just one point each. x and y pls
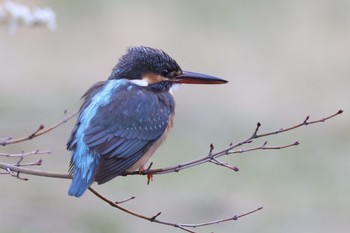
(152, 78)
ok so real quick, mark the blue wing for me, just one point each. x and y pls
(123, 130)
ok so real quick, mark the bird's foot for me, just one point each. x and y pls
(149, 175)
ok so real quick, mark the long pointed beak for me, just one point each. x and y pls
(197, 78)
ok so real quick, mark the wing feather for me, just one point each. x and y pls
(124, 129)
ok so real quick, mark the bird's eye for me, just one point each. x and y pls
(165, 72)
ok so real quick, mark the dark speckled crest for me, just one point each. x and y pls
(140, 60)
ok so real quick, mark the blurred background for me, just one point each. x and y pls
(284, 60)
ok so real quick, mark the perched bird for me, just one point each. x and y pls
(122, 121)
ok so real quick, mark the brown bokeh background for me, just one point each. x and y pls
(284, 60)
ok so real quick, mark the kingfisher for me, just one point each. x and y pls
(123, 120)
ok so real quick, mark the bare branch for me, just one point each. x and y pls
(24, 154)
(182, 226)
(304, 123)
(234, 218)
(40, 131)
(14, 174)
(29, 171)
(232, 146)
(22, 168)
(176, 168)
(263, 147)
(126, 200)
(220, 163)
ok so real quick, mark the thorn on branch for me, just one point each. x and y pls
(40, 161)
(306, 120)
(211, 148)
(149, 166)
(65, 115)
(155, 216)
(258, 125)
(264, 145)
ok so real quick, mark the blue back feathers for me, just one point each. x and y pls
(118, 122)
(84, 160)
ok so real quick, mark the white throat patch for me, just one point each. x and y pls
(139, 82)
(144, 83)
(174, 87)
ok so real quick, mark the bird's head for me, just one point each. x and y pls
(146, 66)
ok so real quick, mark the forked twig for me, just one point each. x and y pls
(24, 154)
(38, 132)
(232, 147)
(33, 172)
(182, 226)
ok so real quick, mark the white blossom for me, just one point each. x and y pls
(13, 14)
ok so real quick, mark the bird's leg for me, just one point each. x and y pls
(149, 175)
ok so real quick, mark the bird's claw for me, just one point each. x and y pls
(149, 175)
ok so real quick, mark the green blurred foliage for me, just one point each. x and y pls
(284, 59)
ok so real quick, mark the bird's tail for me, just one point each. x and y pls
(78, 186)
(83, 170)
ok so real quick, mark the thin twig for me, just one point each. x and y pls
(30, 164)
(182, 226)
(126, 200)
(23, 154)
(304, 123)
(234, 218)
(112, 203)
(15, 174)
(263, 147)
(38, 132)
(227, 150)
(223, 164)
(29, 171)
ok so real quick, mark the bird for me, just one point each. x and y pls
(123, 120)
